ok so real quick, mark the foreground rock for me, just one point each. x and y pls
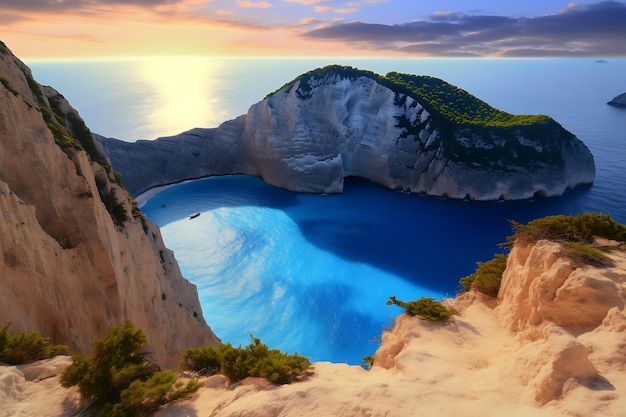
(550, 345)
(335, 122)
(76, 257)
(618, 101)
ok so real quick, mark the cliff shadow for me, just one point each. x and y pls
(428, 241)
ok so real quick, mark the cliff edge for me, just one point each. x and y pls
(77, 256)
(415, 133)
(550, 345)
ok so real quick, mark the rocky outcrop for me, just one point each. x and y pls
(524, 351)
(335, 122)
(556, 310)
(76, 255)
(618, 101)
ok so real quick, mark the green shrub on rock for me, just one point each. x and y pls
(487, 277)
(582, 228)
(425, 307)
(577, 234)
(26, 347)
(119, 378)
(255, 360)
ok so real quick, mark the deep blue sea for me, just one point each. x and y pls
(311, 273)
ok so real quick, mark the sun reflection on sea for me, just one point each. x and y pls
(183, 93)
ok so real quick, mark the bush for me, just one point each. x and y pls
(255, 360)
(26, 347)
(426, 308)
(120, 379)
(145, 397)
(580, 229)
(205, 360)
(487, 277)
(581, 254)
(576, 233)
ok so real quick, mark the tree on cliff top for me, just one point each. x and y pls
(119, 379)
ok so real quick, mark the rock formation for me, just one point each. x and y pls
(77, 257)
(335, 122)
(618, 101)
(550, 345)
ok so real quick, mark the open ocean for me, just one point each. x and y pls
(311, 273)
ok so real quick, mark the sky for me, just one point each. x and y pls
(41, 29)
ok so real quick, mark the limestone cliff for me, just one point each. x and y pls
(413, 133)
(77, 257)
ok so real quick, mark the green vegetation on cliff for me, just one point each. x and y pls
(255, 360)
(427, 308)
(26, 347)
(120, 380)
(460, 118)
(577, 234)
(487, 277)
(456, 105)
(442, 100)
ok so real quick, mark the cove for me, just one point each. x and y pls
(310, 274)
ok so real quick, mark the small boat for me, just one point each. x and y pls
(193, 216)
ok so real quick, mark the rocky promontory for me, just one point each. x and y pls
(77, 257)
(414, 133)
(618, 101)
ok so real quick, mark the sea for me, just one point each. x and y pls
(311, 274)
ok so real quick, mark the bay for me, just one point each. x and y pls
(311, 273)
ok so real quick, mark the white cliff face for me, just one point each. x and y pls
(345, 128)
(320, 129)
(67, 268)
(357, 127)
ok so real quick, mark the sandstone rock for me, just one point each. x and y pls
(539, 285)
(70, 268)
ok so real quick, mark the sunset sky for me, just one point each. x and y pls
(303, 28)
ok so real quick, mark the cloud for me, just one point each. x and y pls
(254, 5)
(68, 5)
(593, 30)
(308, 2)
(310, 21)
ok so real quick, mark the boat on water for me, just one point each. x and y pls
(194, 215)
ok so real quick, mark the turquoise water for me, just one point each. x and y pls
(311, 273)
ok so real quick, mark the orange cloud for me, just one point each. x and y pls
(307, 2)
(245, 4)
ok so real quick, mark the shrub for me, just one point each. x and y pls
(582, 254)
(120, 379)
(256, 360)
(206, 360)
(26, 347)
(487, 277)
(368, 362)
(145, 397)
(426, 308)
(581, 228)
(576, 233)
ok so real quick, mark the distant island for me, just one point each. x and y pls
(601, 61)
(415, 133)
(618, 101)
